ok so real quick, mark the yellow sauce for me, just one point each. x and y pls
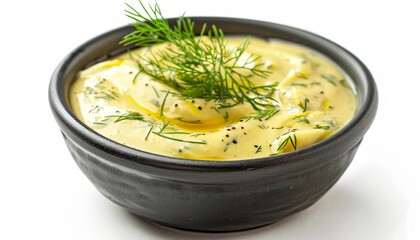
(313, 100)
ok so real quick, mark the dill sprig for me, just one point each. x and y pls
(326, 127)
(166, 134)
(304, 105)
(259, 149)
(198, 65)
(262, 114)
(128, 116)
(330, 78)
(301, 119)
(284, 143)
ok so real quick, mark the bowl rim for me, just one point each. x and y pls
(70, 124)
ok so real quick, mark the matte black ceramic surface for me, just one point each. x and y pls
(212, 195)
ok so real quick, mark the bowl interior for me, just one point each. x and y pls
(107, 46)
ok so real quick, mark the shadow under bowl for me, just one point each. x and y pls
(212, 195)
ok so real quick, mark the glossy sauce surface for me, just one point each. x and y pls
(313, 100)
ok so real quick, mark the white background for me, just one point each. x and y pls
(43, 195)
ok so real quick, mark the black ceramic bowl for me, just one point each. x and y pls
(212, 195)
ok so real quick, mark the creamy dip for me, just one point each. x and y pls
(313, 100)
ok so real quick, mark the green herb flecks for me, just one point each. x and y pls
(99, 93)
(167, 134)
(156, 92)
(259, 148)
(163, 102)
(305, 85)
(99, 122)
(301, 119)
(95, 109)
(299, 84)
(292, 140)
(137, 74)
(195, 67)
(345, 83)
(304, 105)
(326, 127)
(128, 116)
(233, 141)
(226, 116)
(301, 75)
(330, 78)
(148, 132)
(262, 115)
(262, 126)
